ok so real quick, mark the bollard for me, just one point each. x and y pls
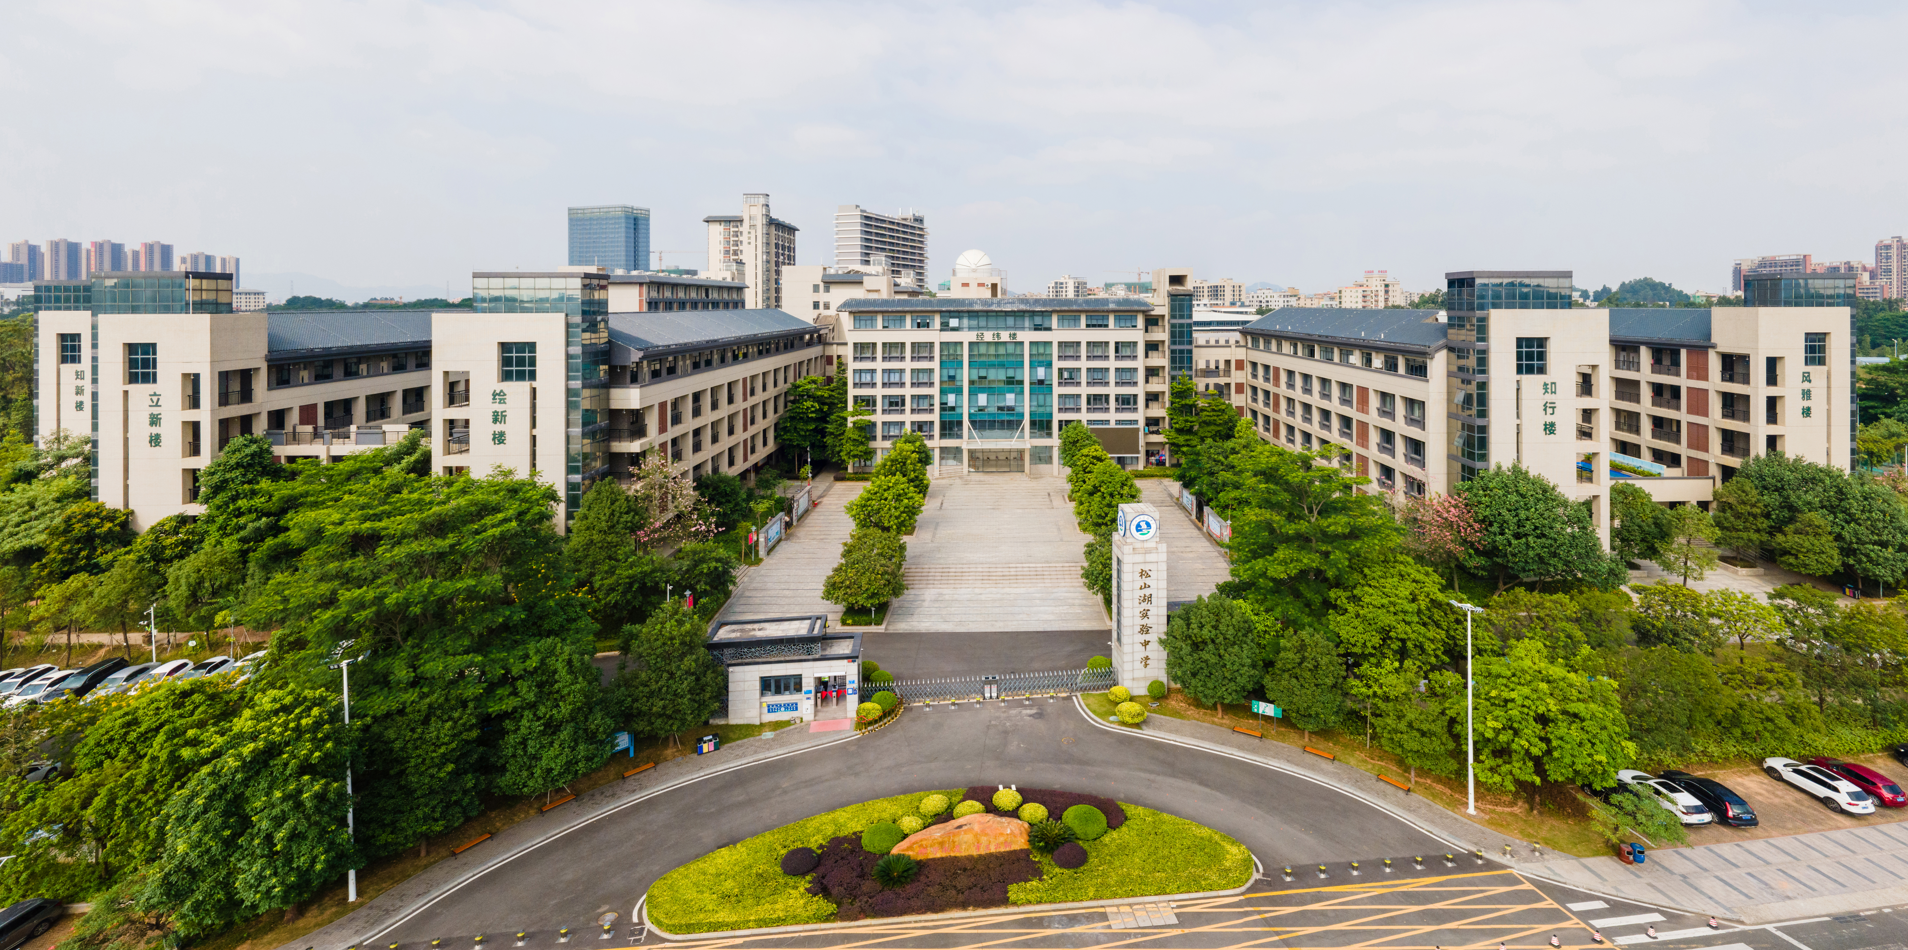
(478, 942)
(1387, 865)
(1321, 872)
(1480, 855)
(563, 936)
(437, 943)
(1507, 851)
(1419, 862)
(1449, 861)
(607, 930)
(1354, 869)
(520, 936)
(1288, 872)
(1596, 935)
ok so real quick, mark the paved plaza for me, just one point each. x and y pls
(789, 583)
(1198, 564)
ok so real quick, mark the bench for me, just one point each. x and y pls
(557, 802)
(1322, 755)
(641, 768)
(466, 846)
(1247, 730)
(1393, 781)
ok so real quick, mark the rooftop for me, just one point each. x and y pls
(1409, 328)
(1681, 324)
(293, 334)
(953, 304)
(652, 277)
(777, 639)
(1497, 274)
(638, 334)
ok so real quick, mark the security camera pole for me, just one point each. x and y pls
(1470, 734)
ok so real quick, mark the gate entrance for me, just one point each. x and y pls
(997, 460)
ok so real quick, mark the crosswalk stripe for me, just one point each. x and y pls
(1587, 905)
(1666, 935)
(1620, 921)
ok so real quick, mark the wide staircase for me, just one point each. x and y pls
(993, 575)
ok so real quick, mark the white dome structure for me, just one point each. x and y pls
(972, 260)
(976, 276)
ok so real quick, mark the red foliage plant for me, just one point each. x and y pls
(845, 877)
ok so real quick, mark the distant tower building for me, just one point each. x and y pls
(1067, 286)
(612, 236)
(64, 260)
(1891, 267)
(229, 264)
(153, 255)
(102, 256)
(1769, 264)
(752, 247)
(27, 255)
(870, 239)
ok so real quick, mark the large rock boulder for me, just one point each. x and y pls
(974, 834)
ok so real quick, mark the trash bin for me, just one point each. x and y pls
(707, 744)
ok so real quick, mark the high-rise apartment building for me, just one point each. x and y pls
(65, 260)
(1224, 292)
(1067, 286)
(871, 239)
(610, 236)
(1768, 264)
(102, 256)
(29, 257)
(153, 255)
(752, 247)
(1272, 298)
(1891, 267)
(1374, 291)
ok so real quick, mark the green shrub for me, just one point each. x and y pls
(1156, 689)
(1006, 800)
(1033, 813)
(883, 676)
(910, 823)
(1130, 713)
(869, 668)
(1099, 663)
(1088, 823)
(932, 805)
(868, 712)
(895, 870)
(968, 807)
(881, 837)
(1119, 694)
(885, 700)
(1152, 854)
(1048, 835)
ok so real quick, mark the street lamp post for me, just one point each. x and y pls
(1470, 730)
(351, 829)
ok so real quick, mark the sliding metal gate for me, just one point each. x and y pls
(1001, 686)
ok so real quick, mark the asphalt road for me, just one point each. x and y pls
(909, 653)
(607, 865)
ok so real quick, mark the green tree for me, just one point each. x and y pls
(1742, 521)
(82, 541)
(1550, 619)
(63, 606)
(1671, 699)
(813, 404)
(230, 488)
(889, 503)
(1107, 487)
(707, 569)
(1688, 554)
(1537, 721)
(1073, 436)
(1212, 651)
(1416, 727)
(1808, 547)
(1640, 527)
(15, 589)
(1214, 424)
(727, 499)
(1741, 617)
(204, 585)
(849, 434)
(1307, 680)
(1398, 613)
(1880, 442)
(553, 723)
(122, 596)
(1097, 572)
(870, 572)
(1672, 615)
(908, 461)
(679, 684)
(1182, 413)
(1882, 390)
(1632, 810)
(1532, 532)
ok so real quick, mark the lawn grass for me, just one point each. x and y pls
(856, 617)
(1102, 708)
(1152, 854)
(742, 886)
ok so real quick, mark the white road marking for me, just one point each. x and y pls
(1666, 935)
(1620, 921)
(1790, 939)
(1587, 905)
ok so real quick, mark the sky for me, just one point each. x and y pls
(397, 146)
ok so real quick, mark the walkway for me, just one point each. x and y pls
(996, 553)
(789, 583)
(1198, 564)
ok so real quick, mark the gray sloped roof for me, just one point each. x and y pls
(952, 304)
(652, 332)
(1410, 329)
(1678, 324)
(292, 334)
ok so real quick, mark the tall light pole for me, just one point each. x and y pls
(351, 830)
(1470, 730)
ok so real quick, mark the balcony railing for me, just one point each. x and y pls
(1068, 356)
(1735, 449)
(1586, 476)
(928, 384)
(1631, 365)
(1069, 382)
(1628, 395)
(377, 413)
(895, 412)
(1665, 369)
(1212, 373)
(1585, 390)
(1069, 409)
(1096, 382)
(1126, 382)
(1774, 418)
(1733, 377)
(1125, 408)
(923, 359)
(1666, 402)
(902, 358)
(893, 384)
(189, 401)
(234, 397)
(1738, 415)
(928, 410)
(1586, 433)
(192, 449)
(864, 384)
(627, 435)
(1671, 436)
(1126, 356)
(1632, 426)
(459, 442)
(413, 406)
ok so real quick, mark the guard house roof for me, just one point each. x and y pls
(779, 640)
(1416, 330)
(293, 335)
(1655, 326)
(644, 334)
(939, 304)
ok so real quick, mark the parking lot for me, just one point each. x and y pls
(1784, 810)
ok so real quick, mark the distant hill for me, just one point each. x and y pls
(1643, 291)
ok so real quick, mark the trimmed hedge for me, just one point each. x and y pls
(910, 823)
(1156, 689)
(1058, 802)
(968, 807)
(1006, 799)
(1086, 821)
(1033, 813)
(1070, 856)
(882, 676)
(885, 700)
(1100, 663)
(1130, 713)
(800, 861)
(1153, 854)
(932, 805)
(881, 837)
(869, 712)
(1119, 694)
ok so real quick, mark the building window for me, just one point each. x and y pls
(782, 685)
(69, 348)
(1533, 356)
(1417, 367)
(1815, 349)
(142, 364)
(864, 321)
(519, 362)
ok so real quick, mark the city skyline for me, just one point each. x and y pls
(1358, 140)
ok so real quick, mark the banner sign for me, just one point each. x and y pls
(1267, 709)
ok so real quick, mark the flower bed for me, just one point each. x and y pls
(1139, 853)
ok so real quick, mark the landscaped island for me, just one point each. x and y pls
(953, 849)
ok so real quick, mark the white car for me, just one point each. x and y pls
(1666, 793)
(1838, 793)
(30, 692)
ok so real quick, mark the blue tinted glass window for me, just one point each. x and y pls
(69, 348)
(142, 364)
(1533, 356)
(519, 362)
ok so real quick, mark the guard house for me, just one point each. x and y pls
(786, 668)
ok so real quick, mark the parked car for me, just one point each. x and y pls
(211, 667)
(30, 693)
(1901, 753)
(1671, 796)
(248, 664)
(1726, 805)
(1878, 786)
(83, 680)
(119, 680)
(40, 772)
(170, 669)
(28, 919)
(12, 685)
(1838, 793)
